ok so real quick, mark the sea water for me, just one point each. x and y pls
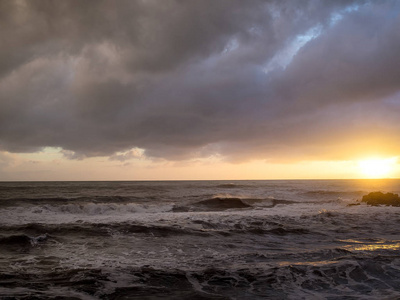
(198, 240)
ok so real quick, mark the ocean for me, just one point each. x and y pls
(298, 239)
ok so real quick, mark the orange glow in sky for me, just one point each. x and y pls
(50, 164)
(377, 167)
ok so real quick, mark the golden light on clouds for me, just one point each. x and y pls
(178, 98)
(377, 167)
(50, 164)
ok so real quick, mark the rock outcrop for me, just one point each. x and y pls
(379, 198)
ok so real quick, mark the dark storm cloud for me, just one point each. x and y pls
(182, 79)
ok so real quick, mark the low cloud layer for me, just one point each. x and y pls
(185, 79)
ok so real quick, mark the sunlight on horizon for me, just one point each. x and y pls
(52, 164)
(377, 167)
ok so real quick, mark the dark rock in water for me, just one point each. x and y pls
(222, 203)
(213, 204)
(379, 198)
(216, 204)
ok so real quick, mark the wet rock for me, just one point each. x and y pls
(379, 198)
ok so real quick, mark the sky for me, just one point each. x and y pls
(189, 89)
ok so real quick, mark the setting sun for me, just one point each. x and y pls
(377, 168)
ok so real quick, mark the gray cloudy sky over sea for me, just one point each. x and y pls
(281, 81)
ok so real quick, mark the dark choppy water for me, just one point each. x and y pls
(198, 240)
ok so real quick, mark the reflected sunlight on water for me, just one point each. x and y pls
(380, 245)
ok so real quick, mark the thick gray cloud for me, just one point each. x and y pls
(182, 79)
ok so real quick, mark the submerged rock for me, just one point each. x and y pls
(379, 198)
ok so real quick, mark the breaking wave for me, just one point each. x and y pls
(91, 208)
(226, 202)
(66, 200)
